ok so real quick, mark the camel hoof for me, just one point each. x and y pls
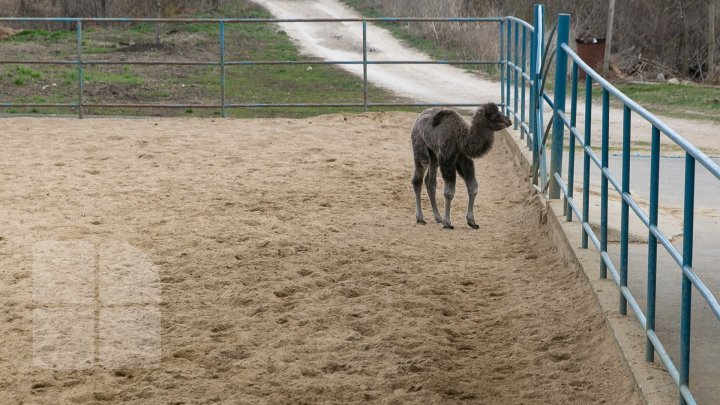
(473, 225)
(448, 226)
(421, 222)
(439, 220)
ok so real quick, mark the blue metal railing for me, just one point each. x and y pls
(80, 105)
(521, 53)
(679, 372)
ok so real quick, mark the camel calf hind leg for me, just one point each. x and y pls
(431, 185)
(466, 168)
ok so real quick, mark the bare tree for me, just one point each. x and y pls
(608, 36)
(711, 40)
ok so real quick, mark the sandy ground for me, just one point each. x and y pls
(441, 83)
(278, 261)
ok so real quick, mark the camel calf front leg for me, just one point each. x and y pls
(431, 186)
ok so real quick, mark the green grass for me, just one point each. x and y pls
(145, 28)
(26, 71)
(40, 36)
(677, 100)
(673, 100)
(99, 75)
(24, 75)
(93, 50)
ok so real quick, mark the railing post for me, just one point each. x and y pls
(501, 53)
(515, 70)
(563, 36)
(78, 34)
(652, 241)
(222, 68)
(365, 58)
(531, 75)
(508, 76)
(624, 210)
(603, 179)
(586, 159)
(522, 76)
(571, 142)
(686, 297)
(535, 74)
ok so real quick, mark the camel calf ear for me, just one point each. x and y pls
(490, 109)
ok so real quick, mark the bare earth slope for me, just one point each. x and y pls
(291, 269)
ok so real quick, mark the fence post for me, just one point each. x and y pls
(502, 67)
(652, 242)
(563, 36)
(538, 155)
(586, 159)
(605, 158)
(365, 74)
(78, 34)
(571, 142)
(624, 210)
(686, 297)
(508, 75)
(515, 69)
(522, 75)
(536, 49)
(222, 68)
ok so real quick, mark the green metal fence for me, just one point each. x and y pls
(81, 62)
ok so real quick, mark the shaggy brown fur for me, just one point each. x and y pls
(441, 137)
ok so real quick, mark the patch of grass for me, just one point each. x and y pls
(91, 50)
(697, 99)
(673, 100)
(24, 75)
(115, 78)
(98, 75)
(26, 71)
(40, 36)
(144, 27)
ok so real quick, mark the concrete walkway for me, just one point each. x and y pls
(705, 346)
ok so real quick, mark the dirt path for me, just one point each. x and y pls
(288, 268)
(434, 83)
(343, 41)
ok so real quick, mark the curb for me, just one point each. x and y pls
(652, 381)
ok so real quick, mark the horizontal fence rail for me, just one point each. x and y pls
(80, 62)
(561, 121)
